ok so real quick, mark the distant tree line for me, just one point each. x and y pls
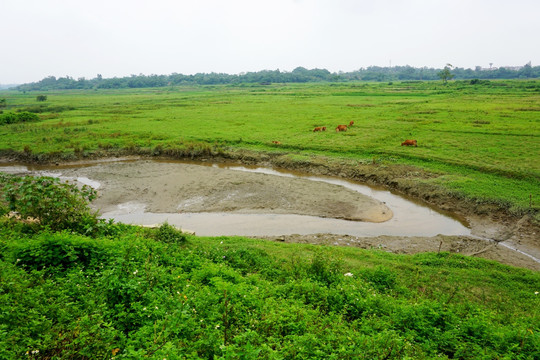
(298, 75)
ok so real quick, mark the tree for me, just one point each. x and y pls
(526, 71)
(41, 98)
(445, 73)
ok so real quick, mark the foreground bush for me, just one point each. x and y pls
(48, 202)
(135, 296)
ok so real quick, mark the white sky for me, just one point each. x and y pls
(83, 38)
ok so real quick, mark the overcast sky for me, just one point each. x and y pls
(83, 38)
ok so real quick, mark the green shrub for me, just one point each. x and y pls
(8, 118)
(249, 261)
(4, 208)
(132, 297)
(246, 261)
(169, 234)
(36, 109)
(381, 278)
(13, 118)
(50, 203)
(26, 116)
(325, 269)
(57, 252)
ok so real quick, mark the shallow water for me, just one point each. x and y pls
(216, 224)
(410, 218)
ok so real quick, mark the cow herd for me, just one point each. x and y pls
(345, 127)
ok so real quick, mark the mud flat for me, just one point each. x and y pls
(187, 188)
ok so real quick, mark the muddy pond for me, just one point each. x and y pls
(229, 199)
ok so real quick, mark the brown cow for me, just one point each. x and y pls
(351, 123)
(409, 143)
(323, 128)
(341, 128)
(320, 128)
(276, 142)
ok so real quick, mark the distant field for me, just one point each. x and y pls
(482, 140)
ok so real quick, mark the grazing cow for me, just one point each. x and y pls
(276, 142)
(320, 128)
(409, 143)
(351, 123)
(341, 128)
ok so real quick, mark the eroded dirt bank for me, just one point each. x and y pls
(211, 192)
(463, 245)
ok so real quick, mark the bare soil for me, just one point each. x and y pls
(463, 245)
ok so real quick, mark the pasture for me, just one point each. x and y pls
(478, 140)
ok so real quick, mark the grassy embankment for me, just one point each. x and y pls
(137, 293)
(481, 142)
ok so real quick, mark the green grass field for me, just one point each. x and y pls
(482, 141)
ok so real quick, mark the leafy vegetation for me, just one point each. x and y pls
(129, 296)
(75, 287)
(47, 202)
(13, 118)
